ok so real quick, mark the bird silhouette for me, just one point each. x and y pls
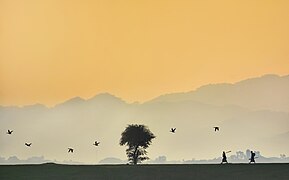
(217, 128)
(28, 144)
(173, 130)
(70, 150)
(9, 131)
(96, 143)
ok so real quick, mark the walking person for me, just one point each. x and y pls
(252, 159)
(224, 160)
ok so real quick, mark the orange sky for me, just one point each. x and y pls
(53, 50)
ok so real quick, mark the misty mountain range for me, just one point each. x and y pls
(252, 114)
(269, 92)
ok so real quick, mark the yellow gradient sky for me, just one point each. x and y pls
(53, 50)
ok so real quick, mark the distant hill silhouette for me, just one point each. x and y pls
(268, 92)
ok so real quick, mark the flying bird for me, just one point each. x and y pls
(28, 144)
(173, 130)
(217, 128)
(96, 143)
(9, 131)
(70, 150)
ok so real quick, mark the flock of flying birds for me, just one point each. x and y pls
(173, 130)
(96, 143)
(70, 150)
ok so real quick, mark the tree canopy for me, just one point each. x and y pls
(137, 138)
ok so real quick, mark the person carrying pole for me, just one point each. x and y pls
(224, 160)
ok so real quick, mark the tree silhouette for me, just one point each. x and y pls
(137, 138)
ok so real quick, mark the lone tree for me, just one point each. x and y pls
(137, 138)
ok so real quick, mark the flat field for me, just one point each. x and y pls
(163, 172)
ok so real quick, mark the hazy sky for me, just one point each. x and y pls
(53, 50)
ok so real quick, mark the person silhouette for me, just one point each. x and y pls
(252, 159)
(224, 160)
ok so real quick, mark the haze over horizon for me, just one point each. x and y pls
(252, 114)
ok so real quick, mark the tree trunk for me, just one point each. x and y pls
(135, 155)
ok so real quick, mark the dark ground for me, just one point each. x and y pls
(139, 172)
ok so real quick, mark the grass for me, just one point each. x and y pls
(140, 172)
